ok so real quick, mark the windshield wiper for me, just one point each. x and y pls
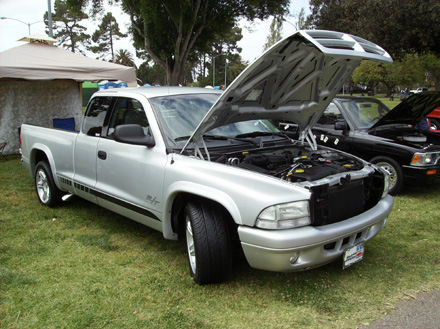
(181, 138)
(219, 137)
(263, 133)
(255, 134)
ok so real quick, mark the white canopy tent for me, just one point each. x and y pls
(40, 82)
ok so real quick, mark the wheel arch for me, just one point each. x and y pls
(182, 193)
(39, 153)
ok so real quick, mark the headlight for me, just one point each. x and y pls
(284, 216)
(424, 159)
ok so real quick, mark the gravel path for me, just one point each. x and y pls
(420, 313)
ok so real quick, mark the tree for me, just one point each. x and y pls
(171, 30)
(223, 49)
(151, 74)
(400, 27)
(67, 30)
(107, 32)
(274, 36)
(410, 70)
(124, 57)
(368, 73)
(300, 22)
(431, 65)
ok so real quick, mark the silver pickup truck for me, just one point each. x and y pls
(213, 168)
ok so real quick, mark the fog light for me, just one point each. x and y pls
(293, 258)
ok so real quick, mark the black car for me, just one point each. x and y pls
(392, 139)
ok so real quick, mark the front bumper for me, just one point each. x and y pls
(418, 175)
(309, 247)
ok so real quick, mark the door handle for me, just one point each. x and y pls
(102, 155)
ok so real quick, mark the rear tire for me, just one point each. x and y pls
(208, 242)
(47, 191)
(394, 170)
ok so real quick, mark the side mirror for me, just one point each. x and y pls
(341, 125)
(133, 134)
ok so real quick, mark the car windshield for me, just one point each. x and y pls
(181, 114)
(365, 112)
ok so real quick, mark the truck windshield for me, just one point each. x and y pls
(181, 114)
(365, 113)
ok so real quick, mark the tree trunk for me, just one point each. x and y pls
(436, 80)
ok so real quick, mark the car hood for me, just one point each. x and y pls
(411, 110)
(292, 81)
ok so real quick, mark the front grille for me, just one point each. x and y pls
(332, 204)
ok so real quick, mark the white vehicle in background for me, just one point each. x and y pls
(212, 167)
(418, 90)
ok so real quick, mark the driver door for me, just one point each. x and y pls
(130, 177)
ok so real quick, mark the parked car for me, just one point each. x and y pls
(418, 90)
(209, 167)
(388, 138)
(434, 120)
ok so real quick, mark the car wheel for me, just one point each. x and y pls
(47, 191)
(208, 243)
(394, 170)
(435, 124)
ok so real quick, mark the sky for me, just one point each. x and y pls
(32, 11)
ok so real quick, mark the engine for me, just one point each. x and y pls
(292, 164)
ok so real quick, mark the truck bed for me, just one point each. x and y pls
(57, 144)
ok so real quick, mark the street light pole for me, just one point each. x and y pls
(28, 24)
(49, 16)
(226, 70)
(213, 69)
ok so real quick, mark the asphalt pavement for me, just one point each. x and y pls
(423, 312)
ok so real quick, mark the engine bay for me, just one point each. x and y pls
(292, 164)
(411, 137)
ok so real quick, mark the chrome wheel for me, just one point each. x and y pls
(394, 170)
(391, 172)
(43, 188)
(47, 191)
(190, 245)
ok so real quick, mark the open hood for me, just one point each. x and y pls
(412, 110)
(293, 81)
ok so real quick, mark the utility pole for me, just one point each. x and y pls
(49, 15)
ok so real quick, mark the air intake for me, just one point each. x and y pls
(334, 42)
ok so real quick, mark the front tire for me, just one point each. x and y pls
(208, 242)
(47, 191)
(394, 170)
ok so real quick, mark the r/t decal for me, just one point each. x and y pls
(152, 200)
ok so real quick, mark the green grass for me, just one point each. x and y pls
(382, 97)
(80, 266)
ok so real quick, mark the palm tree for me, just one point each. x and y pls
(124, 57)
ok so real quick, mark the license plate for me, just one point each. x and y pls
(353, 255)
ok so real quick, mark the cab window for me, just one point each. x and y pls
(95, 116)
(127, 111)
(330, 116)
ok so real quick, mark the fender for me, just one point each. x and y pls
(200, 190)
(43, 148)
